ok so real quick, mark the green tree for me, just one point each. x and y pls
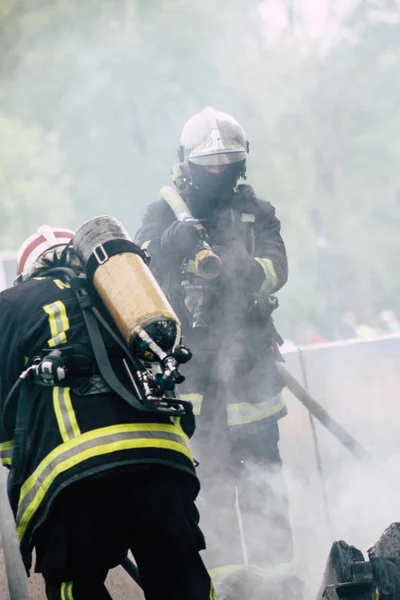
(33, 188)
(116, 80)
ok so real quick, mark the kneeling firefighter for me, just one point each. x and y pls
(217, 251)
(97, 445)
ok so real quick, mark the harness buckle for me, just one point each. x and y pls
(100, 254)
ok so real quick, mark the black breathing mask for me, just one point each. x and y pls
(212, 190)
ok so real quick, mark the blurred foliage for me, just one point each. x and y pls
(34, 189)
(114, 82)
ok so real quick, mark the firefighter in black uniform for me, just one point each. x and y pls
(234, 383)
(90, 476)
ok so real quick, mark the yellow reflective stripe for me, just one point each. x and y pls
(65, 413)
(95, 434)
(58, 322)
(218, 572)
(240, 413)
(6, 445)
(271, 278)
(6, 450)
(66, 590)
(24, 519)
(195, 399)
(213, 594)
(63, 285)
(91, 444)
(268, 570)
(145, 245)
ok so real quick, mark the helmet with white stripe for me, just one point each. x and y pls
(47, 241)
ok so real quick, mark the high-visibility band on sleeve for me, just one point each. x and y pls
(145, 245)
(271, 278)
(91, 444)
(58, 322)
(240, 413)
(195, 399)
(6, 450)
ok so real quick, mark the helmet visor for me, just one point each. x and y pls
(218, 158)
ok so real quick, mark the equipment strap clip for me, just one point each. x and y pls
(100, 254)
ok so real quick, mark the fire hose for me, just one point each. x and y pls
(317, 411)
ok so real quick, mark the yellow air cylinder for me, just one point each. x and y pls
(128, 289)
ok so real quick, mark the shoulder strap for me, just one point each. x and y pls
(100, 351)
(92, 320)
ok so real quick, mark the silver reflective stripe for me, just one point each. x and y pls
(58, 322)
(65, 413)
(248, 218)
(88, 445)
(6, 450)
(240, 413)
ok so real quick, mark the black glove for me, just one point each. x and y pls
(241, 269)
(180, 238)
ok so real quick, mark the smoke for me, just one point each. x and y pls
(350, 499)
(74, 71)
(107, 85)
(113, 82)
(363, 499)
(368, 500)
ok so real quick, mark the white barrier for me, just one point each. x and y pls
(358, 382)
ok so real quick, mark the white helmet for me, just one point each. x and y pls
(212, 137)
(45, 241)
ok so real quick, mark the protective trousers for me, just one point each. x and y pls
(243, 500)
(244, 507)
(93, 523)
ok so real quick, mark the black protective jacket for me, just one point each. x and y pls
(51, 437)
(236, 348)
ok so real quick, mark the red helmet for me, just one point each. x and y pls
(46, 238)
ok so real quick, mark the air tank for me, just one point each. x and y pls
(127, 288)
